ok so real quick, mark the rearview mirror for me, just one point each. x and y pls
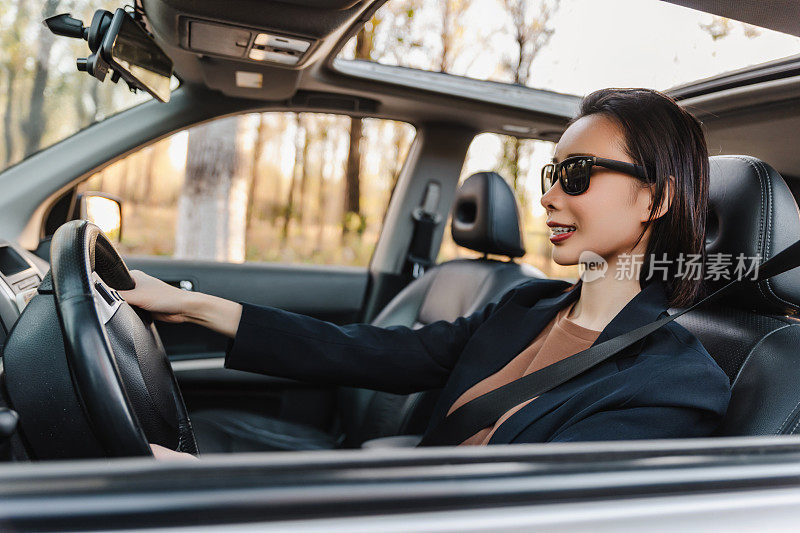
(119, 43)
(133, 54)
(104, 211)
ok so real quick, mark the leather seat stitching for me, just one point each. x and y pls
(791, 432)
(765, 234)
(794, 409)
(753, 349)
(490, 209)
(768, 282)
(761, 248)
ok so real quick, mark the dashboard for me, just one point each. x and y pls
(21, 272)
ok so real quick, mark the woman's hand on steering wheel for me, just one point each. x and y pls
(165, 302)
(171, 304)
(165, 454)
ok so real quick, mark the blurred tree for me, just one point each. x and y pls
(299, 169)
(397, 38)
(399, 142)
(87, 100)
(33, 127)
(352, 192)
(452, 32)
(125, 172)
(326, 135)
(352, 189)
(268, 197)
(149, 173)
(531, 33)
(394, 43)
(721, 27)
(718, 27)
(14, 52)
(312, 127)
(258, 148)
(213, 202)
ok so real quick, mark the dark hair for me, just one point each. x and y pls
(667, 141)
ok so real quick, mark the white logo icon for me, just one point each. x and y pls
(594, 266)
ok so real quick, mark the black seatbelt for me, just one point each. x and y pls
(425, 221)
(485, 410)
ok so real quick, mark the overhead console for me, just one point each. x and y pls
(255, 49)
(248, 44)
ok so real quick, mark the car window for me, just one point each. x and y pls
(43, 98)
(519, 161)
(613, 43)
(275, 187)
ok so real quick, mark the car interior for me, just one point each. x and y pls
(750, 117)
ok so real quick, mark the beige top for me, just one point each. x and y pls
(558, 340)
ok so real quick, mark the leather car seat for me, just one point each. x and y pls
(485, 219)
(752, 332)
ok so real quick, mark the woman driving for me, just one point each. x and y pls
(627, 190)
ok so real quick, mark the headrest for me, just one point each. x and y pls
(486, 216)
(752, 211)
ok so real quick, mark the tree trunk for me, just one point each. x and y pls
(94, 98)
(321, 193)
(299, 151)
(251, 193)
(302, 212)
(86, 101)
(398, 159)
(531, 37)
(8, 117)
(122, 184)
(213, 203)
(444, 63)
(149, 173)
(514, 163)
(81, 113)
(509, 165)
(352, 193)
(33, 127)
(14, 47)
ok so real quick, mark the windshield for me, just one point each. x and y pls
(567, 46)
(43, 98)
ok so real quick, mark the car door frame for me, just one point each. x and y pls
(436, 155)
(663, 485)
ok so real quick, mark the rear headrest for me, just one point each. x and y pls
(486, 216)
(752, 211)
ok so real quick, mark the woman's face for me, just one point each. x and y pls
(612, 212)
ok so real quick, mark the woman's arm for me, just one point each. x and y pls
(395, 359)
(170, 304)
(215, 313)
(281, 343)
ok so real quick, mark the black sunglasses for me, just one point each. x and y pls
(574, 172)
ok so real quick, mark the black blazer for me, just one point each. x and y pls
(665, 386)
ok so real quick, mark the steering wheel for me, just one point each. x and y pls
(118, 366)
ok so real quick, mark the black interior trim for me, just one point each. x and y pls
(315, 485)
